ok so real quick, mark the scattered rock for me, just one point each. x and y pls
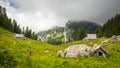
(105, 41)
(60, 53)
(115, 38)
(46, 51)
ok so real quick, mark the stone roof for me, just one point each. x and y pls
(19, 35)
(96, 47)
(91, 36)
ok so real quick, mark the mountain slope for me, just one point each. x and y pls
(54, 35)
(31, 54)
(89, 26)
(23, 50)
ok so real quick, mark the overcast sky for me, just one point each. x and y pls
(43, 14)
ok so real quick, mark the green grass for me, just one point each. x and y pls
(30, 54)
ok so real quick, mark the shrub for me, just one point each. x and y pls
(6, 60)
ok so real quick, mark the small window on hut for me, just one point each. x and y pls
(99, 53)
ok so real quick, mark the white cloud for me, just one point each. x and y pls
(43, 14)
(37, 20)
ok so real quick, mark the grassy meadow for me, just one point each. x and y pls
(30, 54)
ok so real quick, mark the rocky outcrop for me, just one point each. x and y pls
(77, 50)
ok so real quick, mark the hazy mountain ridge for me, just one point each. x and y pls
(89, 26)
(57, 33)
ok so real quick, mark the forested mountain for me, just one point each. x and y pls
(12, 25)
(89, 26)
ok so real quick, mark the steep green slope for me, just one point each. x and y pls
(30, 54)
(23, 50)
(53, 35)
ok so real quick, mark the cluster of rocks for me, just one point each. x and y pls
(82, 50)
(115, 38)
(105, 41)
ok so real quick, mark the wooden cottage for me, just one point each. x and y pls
(90, 37)
(19, 36)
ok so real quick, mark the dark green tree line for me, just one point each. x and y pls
(29, 33)
(80, 34)
(110, 28)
